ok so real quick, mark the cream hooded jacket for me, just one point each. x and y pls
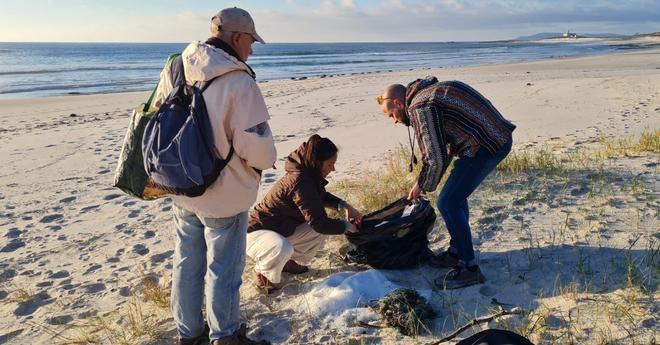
(238, 116)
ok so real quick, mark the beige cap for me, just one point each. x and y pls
(238, 20)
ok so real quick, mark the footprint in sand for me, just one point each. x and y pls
(87, 314)
(89, 208)
(140, 249)
(5, 338)
(92, 268)
(44, 284)
(111, 197)
(94, 288)
(134, 213)
(160, 258)
(59, 320)
(7, 215)
(59, 275)
(28, 307)
(13, 233)
(7, 275)
(493, 209)
(582, 190)
(51, 218)
(125, 291)
(12, 246)
(68, 199)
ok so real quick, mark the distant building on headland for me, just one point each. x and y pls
(569, 34)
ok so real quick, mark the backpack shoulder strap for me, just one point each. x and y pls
(206, 84)
(177, 73)
(147, 105)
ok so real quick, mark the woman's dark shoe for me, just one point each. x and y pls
(263, 283)
(294, 267)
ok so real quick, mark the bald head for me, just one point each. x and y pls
(395, 91)
(393, 103)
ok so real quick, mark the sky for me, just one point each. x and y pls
(321, 20)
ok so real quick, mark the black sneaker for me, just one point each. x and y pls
(239, 338)
(202, 339)
(460, 277)
(444, 260)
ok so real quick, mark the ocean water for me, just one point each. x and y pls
(48, 69)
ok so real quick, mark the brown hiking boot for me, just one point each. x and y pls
(239, 338)
(294, 267)
(263, 283)
(444, 260)
(460, 277)
(202, 339)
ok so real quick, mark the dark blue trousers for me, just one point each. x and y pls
(466, 176)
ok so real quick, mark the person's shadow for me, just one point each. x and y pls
(523, 277)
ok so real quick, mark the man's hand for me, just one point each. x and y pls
(352, 214)
(415, 192)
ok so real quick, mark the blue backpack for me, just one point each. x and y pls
(178, 146)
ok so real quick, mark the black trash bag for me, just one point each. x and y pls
(495, 337)
(391, 240)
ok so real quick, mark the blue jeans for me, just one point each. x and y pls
(211, 251)
(466, 176)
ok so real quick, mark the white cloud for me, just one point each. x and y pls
(350, 4)
(382, 20)
(453, 4)
(391, 4)
(189, 16)
(448, 20)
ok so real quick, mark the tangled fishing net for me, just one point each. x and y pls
(405, 310)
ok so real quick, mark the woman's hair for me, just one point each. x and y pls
(317, 150)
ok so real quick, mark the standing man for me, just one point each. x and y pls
(209, 254)
(451, 119)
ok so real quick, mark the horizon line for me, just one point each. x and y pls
(275, 42)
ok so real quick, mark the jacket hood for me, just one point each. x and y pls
(202, 62)
(294, 160)
(413, 88)
(294, 164)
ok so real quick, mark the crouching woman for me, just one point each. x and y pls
(290, 224)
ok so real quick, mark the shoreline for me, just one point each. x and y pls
(9, 101)
(639, 45)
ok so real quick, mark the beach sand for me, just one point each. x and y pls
(81, 261)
